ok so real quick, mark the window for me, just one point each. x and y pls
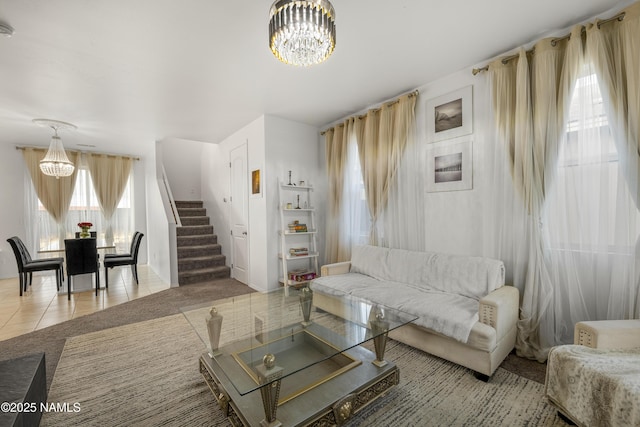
(589, 200)
(84, 206)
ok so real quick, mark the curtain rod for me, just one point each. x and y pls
(619, 17)
(19, 147)
(395, 101)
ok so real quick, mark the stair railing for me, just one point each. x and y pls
(171, 201)
(173, 219)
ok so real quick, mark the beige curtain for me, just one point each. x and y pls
(337, 248)
(615, 52)
(530, 101)
(54, 194)
(109, 175)
(382, 137)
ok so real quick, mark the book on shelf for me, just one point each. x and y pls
(296, 227)
(302, 275)
(299, 251)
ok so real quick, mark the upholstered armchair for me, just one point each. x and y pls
(596, 381)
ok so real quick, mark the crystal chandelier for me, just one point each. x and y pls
(56, 163)
(302, 32)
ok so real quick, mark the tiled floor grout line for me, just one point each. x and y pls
(54, 310)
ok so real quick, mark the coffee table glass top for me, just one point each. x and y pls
(285, 325)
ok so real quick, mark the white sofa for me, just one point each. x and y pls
(465, 312)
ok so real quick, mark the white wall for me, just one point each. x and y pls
(274, 146)
(182, 165)
(216, 190)
(12, 174)
(159, 257)
(295, 147)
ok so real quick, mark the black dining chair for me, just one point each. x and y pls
(115, 260)
(27, 265)
(82, 258)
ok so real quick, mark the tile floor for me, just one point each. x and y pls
(42, 306)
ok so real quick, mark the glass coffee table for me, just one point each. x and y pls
(274, 359)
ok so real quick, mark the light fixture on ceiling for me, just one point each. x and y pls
(56, 163)
(302, 32)
(6, 30)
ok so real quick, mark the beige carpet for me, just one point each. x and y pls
(146, 374)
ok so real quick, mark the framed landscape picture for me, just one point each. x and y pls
(450, 115)
(450, 166)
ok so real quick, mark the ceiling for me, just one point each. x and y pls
(129, 72)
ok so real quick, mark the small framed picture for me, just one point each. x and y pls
(450, 165)
(256, 183)
(450, 115)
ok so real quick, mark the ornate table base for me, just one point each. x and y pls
(331, 402)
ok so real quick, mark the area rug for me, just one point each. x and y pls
(146, 374)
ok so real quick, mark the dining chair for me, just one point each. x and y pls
(131, 258)
(27, 265)
(82, 258)
(27, 256)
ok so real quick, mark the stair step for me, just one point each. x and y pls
(180, 204)
(183, 212)
(207, 239)
(198, 263)
(194, 220)
(204, 275)
(198, 251)
(194, 230)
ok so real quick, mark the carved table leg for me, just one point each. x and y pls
(214, 326)
(380, 331)
(270, 374)
(306, 300)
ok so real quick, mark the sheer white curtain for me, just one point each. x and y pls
(529, 115)
(403, 218)
(571, 149)
(615, 52)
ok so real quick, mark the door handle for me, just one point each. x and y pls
(244, 233)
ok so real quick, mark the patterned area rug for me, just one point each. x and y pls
(146, 374)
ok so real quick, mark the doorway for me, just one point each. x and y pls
(239, 213)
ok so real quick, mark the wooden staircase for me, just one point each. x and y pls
(200, 256)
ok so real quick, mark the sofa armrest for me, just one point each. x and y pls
(336, 268)
(500, 309)
(608, 334)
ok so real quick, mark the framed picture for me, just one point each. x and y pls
(450, 166)
(450, 115)
(256, 183)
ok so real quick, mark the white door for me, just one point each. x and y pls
(239, 204)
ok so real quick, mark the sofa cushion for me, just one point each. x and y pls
(473, 277)
(449, 314)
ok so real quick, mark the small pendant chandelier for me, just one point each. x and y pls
(56, 163)
(302, 32)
